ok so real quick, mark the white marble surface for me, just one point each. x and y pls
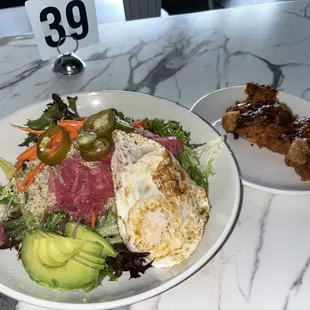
(265, 263)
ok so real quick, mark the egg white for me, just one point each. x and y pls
(160, 209)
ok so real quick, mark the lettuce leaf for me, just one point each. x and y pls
(9, 202)
(72, 105)
(121, 116)
(207, 155)
(13, 230)
(56, 221)
(14, 220)
(4, 210)
(189, 162)
(125, 261)
(52, 114)
(7, 168)
(108, 229)
(167, 129)
(6, 191)
(199, 162)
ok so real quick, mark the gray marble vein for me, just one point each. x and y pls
(305, 92)
(105, 68)
(241, 291)
(47, 90)
(167, 67)
(257, 253)
(99, 56)
(276, 69)
(293, 42)
(303, 13)
(218, 74)
(178, 88)
(6, 40)
(260, 244)
(29, 70)
(219, 301)
(297, 283)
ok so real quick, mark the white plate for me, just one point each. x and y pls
(14, 280)
(260, 168)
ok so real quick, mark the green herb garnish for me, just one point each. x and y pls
(168, 129)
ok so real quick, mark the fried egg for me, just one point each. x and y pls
(160, 209)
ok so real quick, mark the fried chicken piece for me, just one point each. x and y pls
(260, 93)
(298, 155)
(260, 119)
(263, 120)
(230, 120)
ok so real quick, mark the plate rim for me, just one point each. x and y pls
(245, 182)
(237, 207)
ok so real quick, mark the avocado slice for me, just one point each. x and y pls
(41, 232)
(88, 263)
(44, 256)
(65, 244)
(54, 244)
(92, 257)
(54, 252)
(86, 234)
(72, 275)
(93, 247)
(61, 249)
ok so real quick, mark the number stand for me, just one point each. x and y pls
(68, 63)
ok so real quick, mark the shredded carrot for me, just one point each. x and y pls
(71, 121)
(71, 127)
(35, 132)
(93, 219)
(53, 151)
(73, 135)
(32, 174)
(139, 124)
(18, 166)
(30, 152)
(56, 138)
(18, 187)
(33, 156)
(29, 178)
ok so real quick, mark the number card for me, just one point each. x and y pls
(52, 20)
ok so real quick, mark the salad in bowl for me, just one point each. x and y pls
(109, 198)
(93, 197)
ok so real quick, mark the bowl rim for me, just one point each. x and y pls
(168, 284)
(268, 189)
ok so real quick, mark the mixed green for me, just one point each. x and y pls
(54, 112)
(58, 249)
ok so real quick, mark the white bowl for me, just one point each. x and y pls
(225, 197)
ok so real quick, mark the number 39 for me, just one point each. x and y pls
(55, 25)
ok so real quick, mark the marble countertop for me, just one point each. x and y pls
(265, 263)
